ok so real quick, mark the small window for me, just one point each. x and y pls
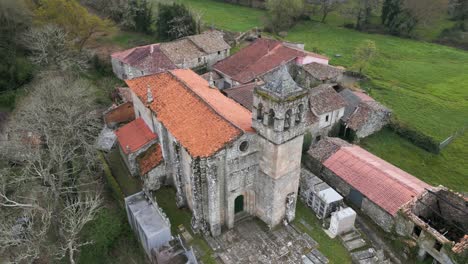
(244, 146)
(438, 246)
(326, 118)
(199, 59)
(219, 52)
(417, 231)
(317, 139)
(139, 114)
(260, 112)
(271, 118)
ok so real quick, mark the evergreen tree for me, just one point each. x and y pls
(175, 21)
(143, 16)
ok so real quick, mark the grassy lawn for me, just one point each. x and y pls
(127, 183)
(227, 16)
(165, 198)
(331, 248)
(448, 168)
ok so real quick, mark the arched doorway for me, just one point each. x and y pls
(239, 204)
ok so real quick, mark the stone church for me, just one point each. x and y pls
(224, 161)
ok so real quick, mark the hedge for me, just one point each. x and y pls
(112, 183)
(415, 137)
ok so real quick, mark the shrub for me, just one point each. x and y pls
(104, 232)
(415, 137)
(112, 183)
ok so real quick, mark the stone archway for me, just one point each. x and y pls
(239, 204)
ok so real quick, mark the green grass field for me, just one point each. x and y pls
(426, 85)
(331, 248)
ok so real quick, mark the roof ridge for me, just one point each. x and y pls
(210, 106)
(346, 148)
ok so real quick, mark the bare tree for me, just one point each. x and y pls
(328, 6)
(426, 12)
(361, 11)
(52, 135)
(50, 47)
(78, 211)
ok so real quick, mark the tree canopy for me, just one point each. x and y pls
(77, 21)
(175, 21)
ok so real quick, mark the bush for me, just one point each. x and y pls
(16, 73)
(7, 99)
(112, 183)
(104, 232)
(415, 137)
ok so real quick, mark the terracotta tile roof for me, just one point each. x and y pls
(147, 58)
(201, 118)
(210, 41)
(150, 159)
(181, 49)
(228, 108)
(324, 99)
(134, 135)
(327, 147)
(242, 94)
(382, 183)
(321, 71)
(260, 57)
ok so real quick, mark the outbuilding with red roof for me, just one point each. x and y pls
(370, 183)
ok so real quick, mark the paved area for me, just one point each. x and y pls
(251, 242)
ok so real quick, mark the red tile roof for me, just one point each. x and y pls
(149, 58)
(150, 159)
(258, 58)
(242, 94)
(201, 118)
(382, 183)
(134, 135)
(324, 99)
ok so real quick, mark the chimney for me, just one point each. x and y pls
(127, 148)
(151, 49)
(210, 81)
(149, 95)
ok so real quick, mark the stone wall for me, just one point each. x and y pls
(124, 71)
(376, 120)
(155, 178)
(212, 58)
(378, 215)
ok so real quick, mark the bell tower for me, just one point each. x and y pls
(278, 116)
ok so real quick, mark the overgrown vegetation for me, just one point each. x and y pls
(175, 21)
